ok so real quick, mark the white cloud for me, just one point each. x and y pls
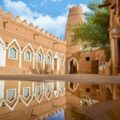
(55, 25)
(85, 8)
(70, 6)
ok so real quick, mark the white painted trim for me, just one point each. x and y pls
(44, 62)
(52, 62)
(16, 53)
(56, 56)
(28, 45)
(51, 94)
(27, 104)
(49, 51)
(40, 48)
(13, 107)
(2, 88)
(20, 60)
(70, 61)
(33, 87)
(39, 100)
(15, 42)
(33, 61)
(74, 89)
(3, 55)
(3, 43)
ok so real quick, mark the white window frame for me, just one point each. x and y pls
(30, 55)
(29, 92)
(14, 95)
(16, 53)
(41, 58)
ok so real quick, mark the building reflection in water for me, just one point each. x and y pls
(49, 100)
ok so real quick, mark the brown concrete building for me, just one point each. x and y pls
(28, 49)
(115, 35)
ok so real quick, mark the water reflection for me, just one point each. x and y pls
(57, 116)
(51, 100)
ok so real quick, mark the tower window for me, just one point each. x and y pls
(87, 58)
(87, 89)
(4, 25)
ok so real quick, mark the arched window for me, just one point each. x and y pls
(38, 90)
(62, 62)
(13, 53)
(38, 58)
(48, 60)
(11, 94)
(26, 92)
(27, 56)
(48, 87)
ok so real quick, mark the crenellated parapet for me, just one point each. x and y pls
(24, 24)
(76, 10)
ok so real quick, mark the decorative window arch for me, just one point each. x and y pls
(27, 55)
(2, 42)
(48, 87)
(13, 53)
(40, 50)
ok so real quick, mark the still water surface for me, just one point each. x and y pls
(23, 100)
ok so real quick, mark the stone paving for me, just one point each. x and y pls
(81, 78)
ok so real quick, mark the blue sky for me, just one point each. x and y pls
(50, 15)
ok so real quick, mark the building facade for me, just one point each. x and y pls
(28, 49)
(114, 9)
(25, 49)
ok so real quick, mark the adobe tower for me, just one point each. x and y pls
(75, 16)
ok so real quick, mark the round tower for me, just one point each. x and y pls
(75, 16)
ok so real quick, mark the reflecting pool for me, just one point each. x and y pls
(25, 100)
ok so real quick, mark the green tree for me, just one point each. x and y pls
(94, 32)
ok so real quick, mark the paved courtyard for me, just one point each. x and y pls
(81, 78)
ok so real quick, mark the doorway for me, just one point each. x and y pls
(73, 67)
